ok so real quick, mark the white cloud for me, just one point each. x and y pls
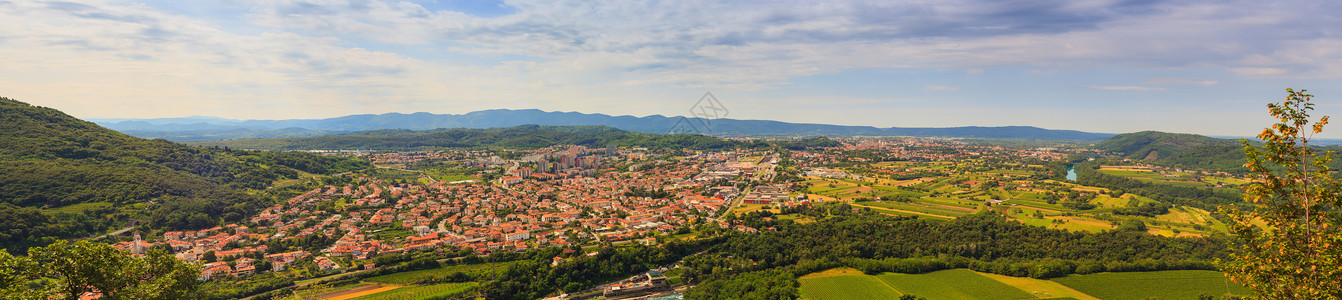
(1259, 71)
(1181, 81)
(322, 58)
(1125, 88)
(756, 45)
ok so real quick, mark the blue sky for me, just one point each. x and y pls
(1205, 67)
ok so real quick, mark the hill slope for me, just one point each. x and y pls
(1189, 150)
(50, 159)
(205, 128)
(1178, 149)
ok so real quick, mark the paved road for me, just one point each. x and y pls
(118, 232)
(442, 227)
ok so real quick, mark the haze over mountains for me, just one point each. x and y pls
(211, 128)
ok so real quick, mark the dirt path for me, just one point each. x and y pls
(118, 232)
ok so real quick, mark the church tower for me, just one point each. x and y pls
(137, 247)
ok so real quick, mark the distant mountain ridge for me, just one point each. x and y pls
(211, 128)
(519, 137)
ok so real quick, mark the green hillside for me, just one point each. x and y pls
(50, 160)
(1179, 149)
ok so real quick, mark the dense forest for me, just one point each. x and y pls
(50, 160)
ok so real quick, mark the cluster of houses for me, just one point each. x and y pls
(516, 215)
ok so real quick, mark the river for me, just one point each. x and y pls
(676, 296)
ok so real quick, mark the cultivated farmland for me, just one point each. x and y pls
(421, 292)
(953, 284)
(1187, 284)
(846, 287)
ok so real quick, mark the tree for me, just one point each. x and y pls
(15, 273)
(1133, 225)
(1298, 254)
(85, 266)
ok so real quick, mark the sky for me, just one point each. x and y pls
(1206, 67)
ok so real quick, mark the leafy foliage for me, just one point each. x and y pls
(532, 276)
(767, 284)
(72, 269)
(1299, 253)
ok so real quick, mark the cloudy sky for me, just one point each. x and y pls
(1204, 67)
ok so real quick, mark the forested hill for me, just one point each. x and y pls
(525, 136)
(1178, 149)
(50, 160)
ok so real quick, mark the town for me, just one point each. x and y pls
(560, 196)
(452, 205)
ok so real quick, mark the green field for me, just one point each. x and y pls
(416, 276)
(421, 292)
(1186, 284)
(846, 287)
(953, 284)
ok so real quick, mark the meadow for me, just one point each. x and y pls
(953, 285)
(846, 287)
(848, 283)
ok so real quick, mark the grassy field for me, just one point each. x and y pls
(749, 208)
(1044, 289)
(849, 283)
(421, 292)
(1161, 284)
(416, 276)
(953, 284)
(857, 286)
(448, 174)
